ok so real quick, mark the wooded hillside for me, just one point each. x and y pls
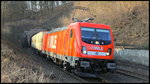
(128, 19)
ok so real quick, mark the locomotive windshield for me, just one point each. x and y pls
(95, 36)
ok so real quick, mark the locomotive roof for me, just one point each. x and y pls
(65, 27)
(57, 29)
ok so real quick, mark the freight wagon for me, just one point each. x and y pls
(80, 47)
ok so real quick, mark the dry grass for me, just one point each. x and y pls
(23, 66)
(17, 69)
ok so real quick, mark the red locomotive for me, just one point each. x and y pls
(80, 47)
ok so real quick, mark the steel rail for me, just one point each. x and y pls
(133, 74)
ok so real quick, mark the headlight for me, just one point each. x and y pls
(109, 52)
(84, 50)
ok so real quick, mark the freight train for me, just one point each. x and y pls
(80, 47)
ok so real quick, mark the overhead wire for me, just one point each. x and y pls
(83, 12)
(86, 9)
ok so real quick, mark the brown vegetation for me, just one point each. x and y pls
(128, 19)
(23, 66)
(15, 68)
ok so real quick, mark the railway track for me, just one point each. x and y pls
(69, 74)
(133, 74)
(17, 48)
(90, 80)
(81, 79)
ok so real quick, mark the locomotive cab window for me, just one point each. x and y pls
(71, 33)
(95, 36)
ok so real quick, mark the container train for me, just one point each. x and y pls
(80, 47)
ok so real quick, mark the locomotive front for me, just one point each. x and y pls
(97, 48)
